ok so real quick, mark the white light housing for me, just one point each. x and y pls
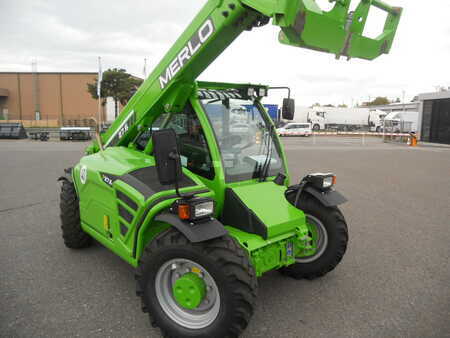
(203, 209)
(251, 92)
(321, 181)
(328, 182)
(262, 92)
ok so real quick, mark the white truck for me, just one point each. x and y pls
(346, 119)
(401, 122)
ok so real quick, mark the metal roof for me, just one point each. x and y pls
(435, 96)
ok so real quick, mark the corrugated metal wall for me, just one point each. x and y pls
(426, 120)
(436, 121)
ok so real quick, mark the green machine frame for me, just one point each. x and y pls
(168, 89)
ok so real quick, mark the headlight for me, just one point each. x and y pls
(262, 92)
(203, 209)
(328, 182)
(194, 209)
(321, 181)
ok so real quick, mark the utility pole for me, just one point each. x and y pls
(403, 100)
(36, 91)
(99, 92)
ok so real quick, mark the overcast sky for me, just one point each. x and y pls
(69, 36)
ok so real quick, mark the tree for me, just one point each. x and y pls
(379, 101)
(118, 84)
(343, 105)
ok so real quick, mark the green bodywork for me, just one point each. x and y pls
(189, 290)
(170, 88)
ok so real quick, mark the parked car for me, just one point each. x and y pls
(295, 129)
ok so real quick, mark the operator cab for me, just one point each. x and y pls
(236, 123)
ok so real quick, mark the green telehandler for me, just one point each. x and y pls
(190, 184)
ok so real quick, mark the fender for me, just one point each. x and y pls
(67, 176)
(195, 233)
(329, 198)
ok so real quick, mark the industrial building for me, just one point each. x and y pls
(434, 117)
(55, 99)
(398, 107)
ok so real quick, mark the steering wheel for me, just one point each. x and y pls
(230, 141)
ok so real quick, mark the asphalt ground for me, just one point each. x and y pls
(393, 282)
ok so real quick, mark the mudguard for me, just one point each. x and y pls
(197, 232)
(67, 175)
(329, 198)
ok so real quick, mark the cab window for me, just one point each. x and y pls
(194, 150)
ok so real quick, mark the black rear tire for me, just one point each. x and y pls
(224, 260)
(337, 239)
(74, 237)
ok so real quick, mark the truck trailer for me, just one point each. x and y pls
(345, 119)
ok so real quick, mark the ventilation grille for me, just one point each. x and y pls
(127, 200)
(128, 209)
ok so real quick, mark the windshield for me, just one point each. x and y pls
(244, 137)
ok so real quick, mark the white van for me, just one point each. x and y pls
(295, 129)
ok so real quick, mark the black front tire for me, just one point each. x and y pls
(224, 260)
(74, 237)
(337, 239)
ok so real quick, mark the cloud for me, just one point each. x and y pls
(68, 36)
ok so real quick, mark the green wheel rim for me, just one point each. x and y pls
(191, 310)
(189, 290)
(319, 240)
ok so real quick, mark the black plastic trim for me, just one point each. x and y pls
(125, 214)
(127, 200)
(149, 207)
(236, 213)
(330, 198)
(194, 232)
(123, 229)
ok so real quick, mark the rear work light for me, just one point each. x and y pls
(194, 209)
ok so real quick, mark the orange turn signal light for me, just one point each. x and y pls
(334, 180)
(184, 211)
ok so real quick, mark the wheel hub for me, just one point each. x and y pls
(187, 293)
(189, 290)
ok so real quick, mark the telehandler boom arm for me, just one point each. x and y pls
(219, 23)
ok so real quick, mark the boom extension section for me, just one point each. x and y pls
(219, 23)
(339, 31)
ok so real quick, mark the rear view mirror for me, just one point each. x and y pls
(167, 156)
(288, 109)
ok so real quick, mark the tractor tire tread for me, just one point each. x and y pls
(74, 237)
(230, 258)
(335, 217)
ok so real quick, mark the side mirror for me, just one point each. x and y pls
(288, 109)
(167, 156)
